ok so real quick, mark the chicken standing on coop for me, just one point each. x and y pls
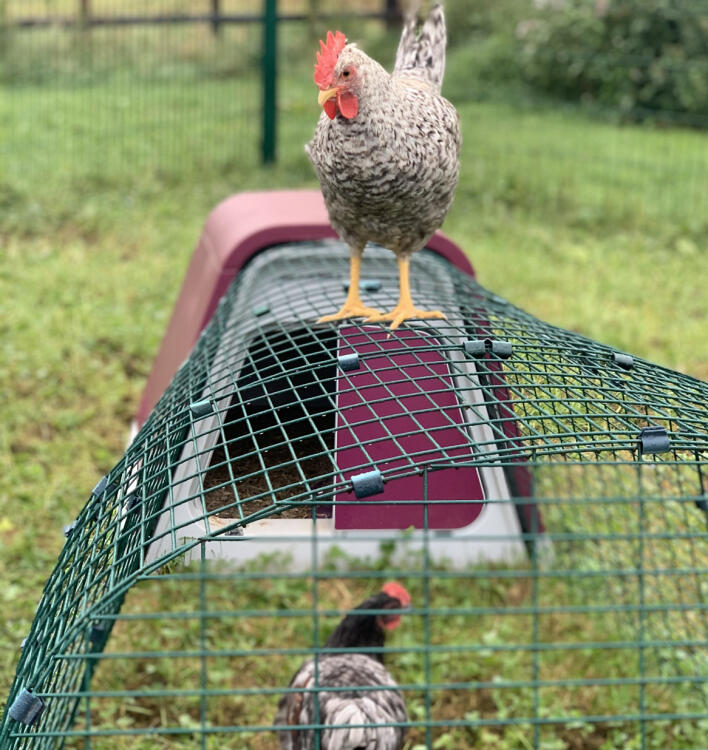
(386, 152)
(354, 713)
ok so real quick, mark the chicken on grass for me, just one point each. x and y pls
(386, 152)
(358, 703)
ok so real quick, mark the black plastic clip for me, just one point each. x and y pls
(98, 633)
(654, 439)
(201, 408)
(27, 707)
(479, 347)
(348, 362)
(365, 285)
(625, 361)
(103, 488)
(367, 484)
(100, 487)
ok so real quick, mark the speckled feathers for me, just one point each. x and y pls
(388, 175)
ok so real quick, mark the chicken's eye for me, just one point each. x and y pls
(346, 73)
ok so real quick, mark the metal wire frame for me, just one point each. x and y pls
(615, 535)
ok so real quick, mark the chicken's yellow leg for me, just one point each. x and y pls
(353, 306)
(404, 310)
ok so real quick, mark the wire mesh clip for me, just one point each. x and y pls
(27, 707)
(625, 361)
(201, 408)
(103, 488)
(100, 487)
(69, 528)
(365, 285)
(479, 347)
(348, 362)
(259, 310)
(98, 633)
(654, 440)
(367, 484)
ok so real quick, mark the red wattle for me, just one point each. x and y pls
(391, 623)
(348, 105)
(330, 108)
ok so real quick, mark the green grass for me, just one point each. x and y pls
(595, 228)
(484, 659)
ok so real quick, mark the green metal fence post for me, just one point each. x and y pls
(215, 17)
(270, 67)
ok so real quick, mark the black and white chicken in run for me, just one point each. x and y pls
(352, 715)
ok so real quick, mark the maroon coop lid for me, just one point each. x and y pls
(235, 231)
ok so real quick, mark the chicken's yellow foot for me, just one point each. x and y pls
(404, 310)
(402, 313)
(353, 309)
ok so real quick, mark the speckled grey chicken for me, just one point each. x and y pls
(355, 715)
(386, 151)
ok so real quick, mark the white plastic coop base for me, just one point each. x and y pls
(494, 536)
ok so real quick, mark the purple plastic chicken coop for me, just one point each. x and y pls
(396, 408)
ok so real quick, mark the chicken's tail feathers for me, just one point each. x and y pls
(355, 722)
(422, 54)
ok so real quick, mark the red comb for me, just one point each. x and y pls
(395, 590)
(327, 58)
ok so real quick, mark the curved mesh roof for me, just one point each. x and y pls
(604, 454)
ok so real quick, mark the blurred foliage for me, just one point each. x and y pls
(641, 58)
(484, 55)
(475, 19)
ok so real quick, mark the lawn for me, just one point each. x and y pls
(104, 188)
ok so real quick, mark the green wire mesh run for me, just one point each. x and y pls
(203, 570)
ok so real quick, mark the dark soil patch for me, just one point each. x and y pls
(264, 464)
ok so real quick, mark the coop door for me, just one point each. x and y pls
(399, 413)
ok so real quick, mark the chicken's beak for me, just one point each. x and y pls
(326, 95)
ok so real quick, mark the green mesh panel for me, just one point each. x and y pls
(163, 627)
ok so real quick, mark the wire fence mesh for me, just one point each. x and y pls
(580, 624)
(211, 562)
(166, 92)
(144, 85)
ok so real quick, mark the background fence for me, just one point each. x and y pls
(143, 89)
(196, 78)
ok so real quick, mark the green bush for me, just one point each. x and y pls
(638, 57)
(481, 19)
(483, 59)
